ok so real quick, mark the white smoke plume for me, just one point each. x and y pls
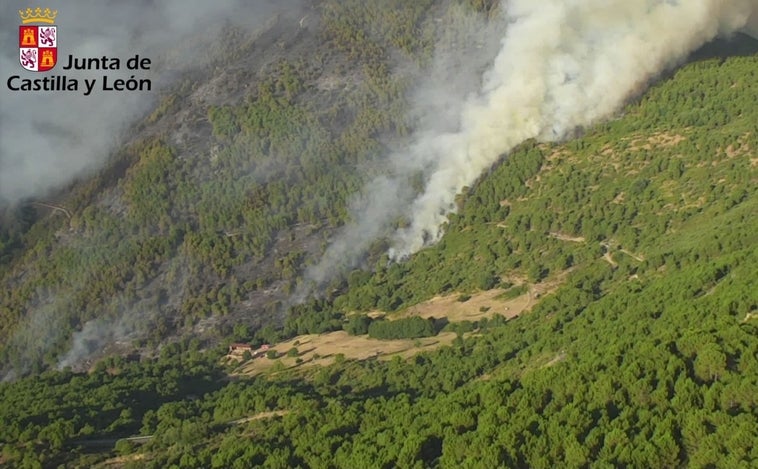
(32, 340)
(751, 28)
(94, 336)
(133, 322)
(466, 45)
(563, 65)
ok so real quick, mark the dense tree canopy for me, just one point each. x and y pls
(644, 352)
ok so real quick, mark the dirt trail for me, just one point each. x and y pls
(609, 259)
(260, 416)
(565, 237)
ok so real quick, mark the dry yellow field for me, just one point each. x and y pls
(479, 306)
(324, 349)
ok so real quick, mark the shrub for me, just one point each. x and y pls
(357, 325)
(513, 292)
(124, 447)
(486, 280)
(462, 327)
(406, 328)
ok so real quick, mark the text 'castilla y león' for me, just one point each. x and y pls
(88, 85)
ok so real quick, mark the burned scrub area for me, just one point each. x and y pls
(216, 200)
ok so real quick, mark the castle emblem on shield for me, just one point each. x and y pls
(38, 39)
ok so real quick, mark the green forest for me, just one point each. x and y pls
(238, 210)
(644, 353)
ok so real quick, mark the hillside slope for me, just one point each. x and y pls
(206, 216)
(645, 356)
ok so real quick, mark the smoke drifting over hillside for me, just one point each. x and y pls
(561, 65)
(538, 71)
(49, 138)
(467, 45)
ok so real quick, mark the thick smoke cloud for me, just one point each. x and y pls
(466, 46)
(538, 71)
(49, 138)
(751, 27)
(561, 65)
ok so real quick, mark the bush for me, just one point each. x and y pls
(357, 325)
(272, 354)
(513, 292)
(406, 328)
(293, 352)
(124, 447)
(461, 327)
(486, 281)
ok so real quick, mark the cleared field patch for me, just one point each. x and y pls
(325, 349)
(484, 304)
(480, 305)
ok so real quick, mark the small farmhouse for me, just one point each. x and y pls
(240, 348)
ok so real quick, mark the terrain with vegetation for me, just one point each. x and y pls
(592, 301)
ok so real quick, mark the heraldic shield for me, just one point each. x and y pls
(38, 44)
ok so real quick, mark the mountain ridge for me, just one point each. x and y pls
(642, 354)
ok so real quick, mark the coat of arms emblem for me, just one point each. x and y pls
(38, 39)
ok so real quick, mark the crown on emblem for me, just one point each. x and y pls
(38, 15)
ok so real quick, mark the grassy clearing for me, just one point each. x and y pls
(325, 349)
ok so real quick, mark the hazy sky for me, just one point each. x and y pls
(47, 138)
